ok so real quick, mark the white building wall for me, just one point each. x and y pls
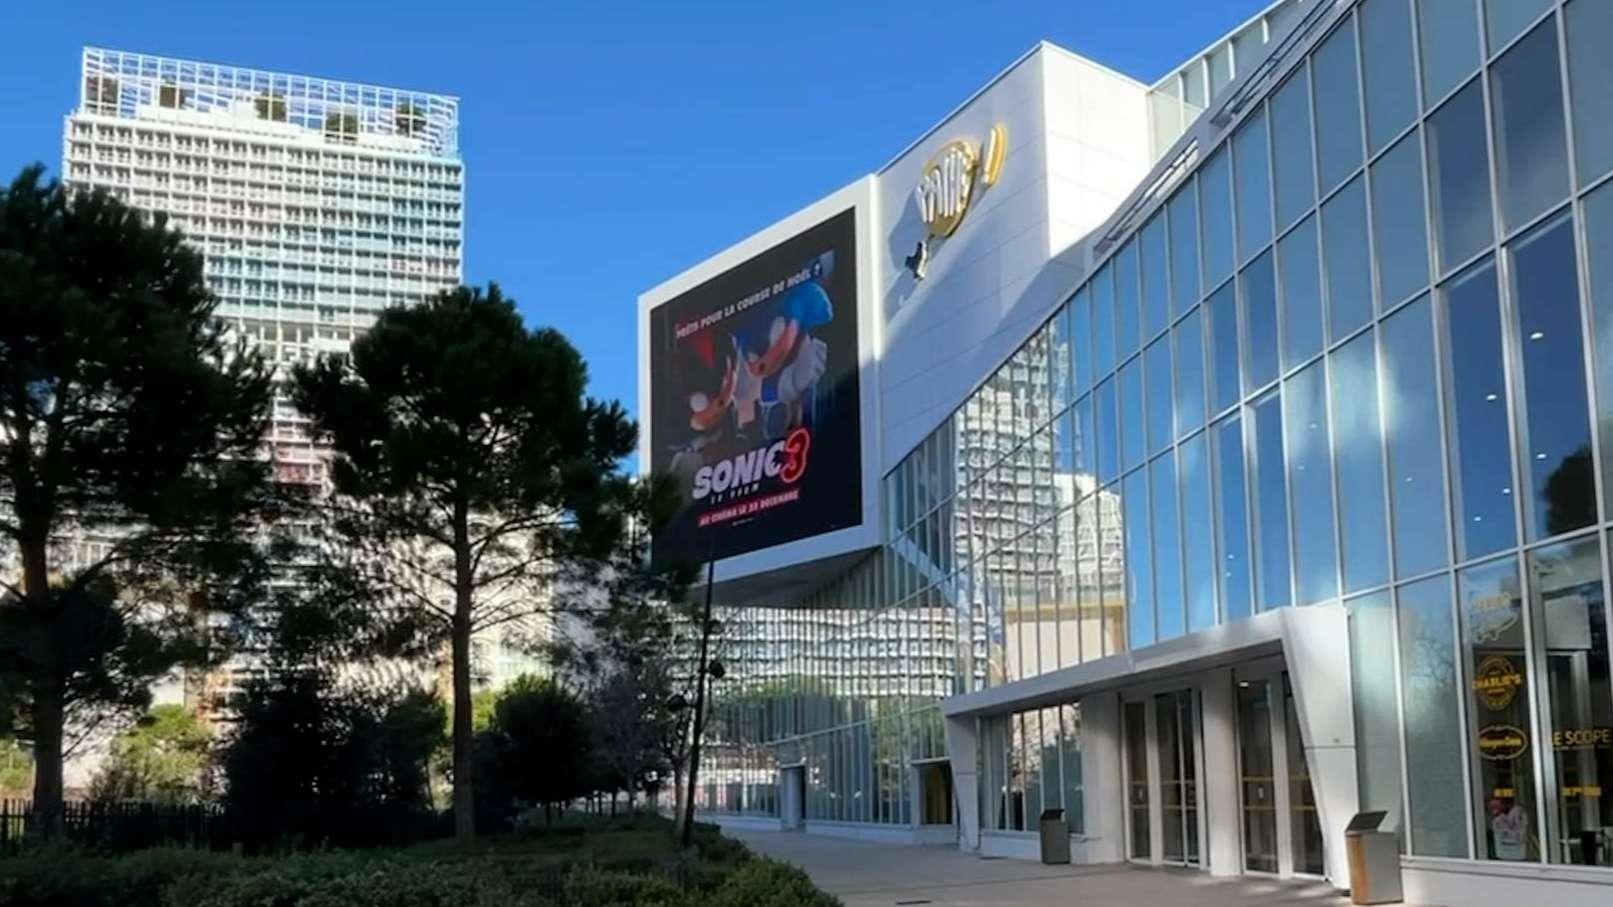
(1097, 146)
(1077, 144)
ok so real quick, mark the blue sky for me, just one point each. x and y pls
(609, 146)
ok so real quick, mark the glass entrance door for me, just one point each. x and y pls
(1281, 831)
(1137, 786)
(1164, 818)
(1306, 828)
(1257, 768)
(1176, 742)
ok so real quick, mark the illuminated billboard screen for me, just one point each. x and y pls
(754, 406)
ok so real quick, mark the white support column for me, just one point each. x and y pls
(1222, 801)
(1103, 799)
(1317, 652)
(963, 748)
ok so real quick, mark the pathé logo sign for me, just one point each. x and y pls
(947, 184)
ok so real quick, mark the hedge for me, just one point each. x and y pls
(633, 864)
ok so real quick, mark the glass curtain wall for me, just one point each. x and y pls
(1031, 761)
(1386, 374)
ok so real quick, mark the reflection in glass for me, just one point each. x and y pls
(1337, 107)
(1222, 310)
(1506, 811)
(1291, 148)
(1133, 443)
(1103, 322)
(1167, 548)
(1059, 351)
(1126, 301)
(1589, 28)
(1070, 751)
(1084, 444)
(1459, 174)
(1081, 339)
(1108, 433)
(1310, 477)
(1111, 558)
(1271, 503)
(1567, 598)
(1254, 186)
(1357, 447)
(1013, 806)
(1232, 522)
(1139, 560)
(1183, 211)
(1031, 745)
(1377, 725)
(1349, 267)
(1411, 423)
(1599, 261)
(1558, 442)
(1198, 533)
(1157, 361)
(1481, 484)
(1386, 69)
(1504, 19)
(1448, 34)
(1429, 685)
(1189, 343)
(1064, 448)
(1155, 267)
(1301, 293)
(1398, 237)
(1260, 320)
(989, 583)
(1531, 150)
(1215, 216)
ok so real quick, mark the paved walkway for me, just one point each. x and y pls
(864, 874)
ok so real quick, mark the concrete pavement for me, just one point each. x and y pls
(864, 874)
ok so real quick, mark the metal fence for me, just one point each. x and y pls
(121, 826)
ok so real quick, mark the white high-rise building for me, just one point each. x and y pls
(315, 203)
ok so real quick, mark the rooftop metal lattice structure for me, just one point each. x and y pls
(291, 107)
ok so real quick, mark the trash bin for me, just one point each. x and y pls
(1055, 837)
(1374, 860)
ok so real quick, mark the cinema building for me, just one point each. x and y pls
(1213, 459)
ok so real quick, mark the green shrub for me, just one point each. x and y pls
(58, 876)
(267, 888)
(603, 888)
(766, 883)
(633, 862)
(714, 847)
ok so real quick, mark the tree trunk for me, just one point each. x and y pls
(47, 712)
(699, 707)
(464, 791)
(677, 790)
(47, 718)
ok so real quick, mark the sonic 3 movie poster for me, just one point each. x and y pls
(754, 399)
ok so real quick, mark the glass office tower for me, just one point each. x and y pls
(1348, 349)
